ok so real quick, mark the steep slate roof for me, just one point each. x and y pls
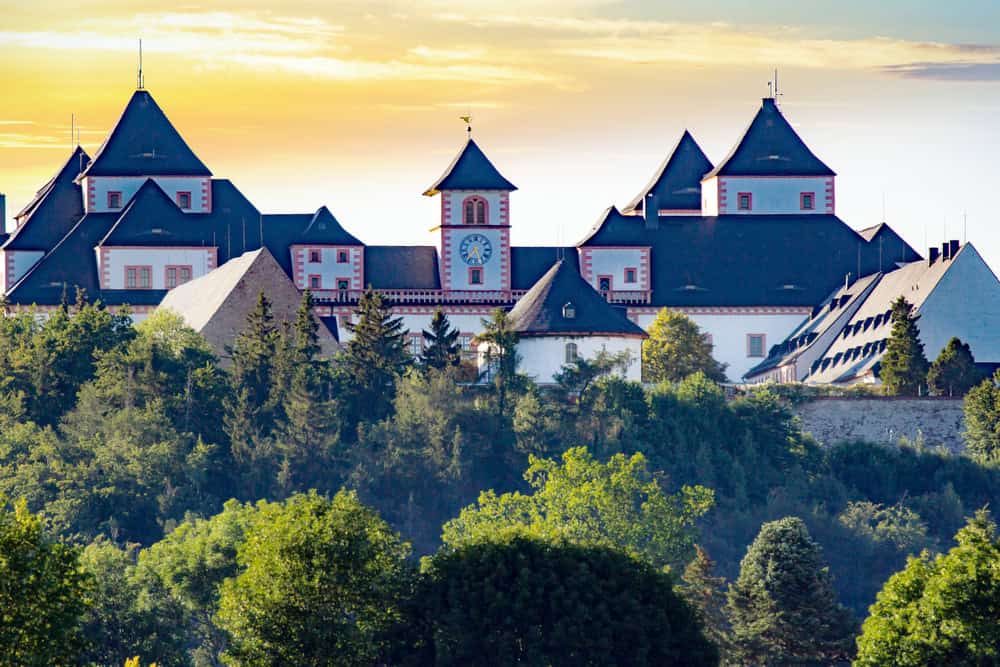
(56, 207)
(894, 250)
(402, 267)
(280, 232)
(325, 229)
(151, 217)
(733, 260)
(677, 182)
(540, 311)
(770, 147)
(530, 263)
(145, 143)
(470, 170)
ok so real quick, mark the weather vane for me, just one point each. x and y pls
(468, 123)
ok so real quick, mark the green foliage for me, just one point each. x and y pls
(982, 419)
(940, 611)
(706, 593)
(441, 347)
(321, 583)
(783, 607)
(677, 348)
(897, 525)
(499, 344)
(42, 592)
(520, 600)
(616, 504)
(904, 367)
(954, 372)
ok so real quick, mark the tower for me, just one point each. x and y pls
(474, 245)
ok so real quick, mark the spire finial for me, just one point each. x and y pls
(139, 82)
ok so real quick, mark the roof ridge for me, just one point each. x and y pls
(470, 170)
(669, 168)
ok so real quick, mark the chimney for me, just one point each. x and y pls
(651, 210)
(945, 250)
(954, 247)
(3, 213)
(932, 255)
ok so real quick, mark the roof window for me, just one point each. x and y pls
(569, 310)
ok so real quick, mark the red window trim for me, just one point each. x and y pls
(121, 200)
(190, 201)
(611, 282)
(319, 255)
(345, 254)
(635, 274)
(763, 345)
(739, 199)
(802, 201)
(482, 276)
(486, 210)
(177, 267)
(138, 273)
(319, 281)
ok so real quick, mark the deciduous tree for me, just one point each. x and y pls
(954, 372)
(677, 348)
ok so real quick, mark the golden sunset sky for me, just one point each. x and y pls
(355, 105)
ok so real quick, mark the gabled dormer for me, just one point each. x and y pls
(475, 223)
(676, 185)
(769, 171)
(326, 258)
(144, 144)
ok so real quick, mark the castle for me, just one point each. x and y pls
(749, 248)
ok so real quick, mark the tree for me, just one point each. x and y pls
(616, 504)
(43, 592)
(982, 419)
(940, 611)
(706, 593)
(441, 346)
(501, 358)
(954, 372)
(520, 600)
(677, 348)
(375, 358)
(322, 583)
(783, 607)
(904, 367)
(249, 414)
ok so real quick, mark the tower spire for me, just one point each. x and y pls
(140, 84)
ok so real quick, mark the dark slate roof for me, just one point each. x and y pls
(145, 143)
(470, 170)
(529, 263)
(677, 182)
(150, 218)
(540, 312)
(325, 229)
(770, 147)
(402, 267)
(753, 260)
(894, 250)
(56, 207)
(280, 231)
(330, 322)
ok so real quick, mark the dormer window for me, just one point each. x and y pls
(114, 200)
(341, 257)
(474, 211)
(744, 201)
(807, 201)
(569, 311)
(184, 200)
(314, 257)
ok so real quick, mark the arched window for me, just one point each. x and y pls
(571, 355)
(474, 211)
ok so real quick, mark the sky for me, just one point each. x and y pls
(356, 104)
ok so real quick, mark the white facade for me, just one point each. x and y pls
(497, 206)
(98, 188)
(722, 195)
(542, 357)
(614, 266)
(15, 264)
(113, 264)
(475, 257)
(326, 268)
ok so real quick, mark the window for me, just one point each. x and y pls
(475, 276)
(314, 257)
(755, 345)
(744, 201)
(343, 285)
(474, 211)
(315, 281)
(807, 201)
(569, 311)
(177, 275)
(571, 354)
(114, 200)
(603, 283)
(465, 340)
(184, 200)
(630, 275)
(416, 345)
(341, 257)
(138, 277)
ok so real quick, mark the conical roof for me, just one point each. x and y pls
(470, 170)
(677, 182)
(53, 211)
(770, 147)
(562, 303)
(145, 143)
(325, 229)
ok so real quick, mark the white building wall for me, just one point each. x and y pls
(111, 263)
(602, 261)
(496, 271)
(710, 196)
(328, 269)
(16, 263)
(416, 323)
(729, 332)
(776, 195)
(496, 202)
(98, 187)
(542, 357)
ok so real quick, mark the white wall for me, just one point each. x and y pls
(495, 271)
(776, 195)
(327, 268)
(710, 196)
(496, 202)
(598, 261)
(544, 356)
(415, 323)
(97, 188)
(16, 263)
(112, 262)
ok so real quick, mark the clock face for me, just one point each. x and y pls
(475, 250)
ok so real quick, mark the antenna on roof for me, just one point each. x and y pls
(139, 82)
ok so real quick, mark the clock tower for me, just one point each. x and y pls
(474, 246)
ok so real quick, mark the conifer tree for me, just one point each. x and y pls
(783, 607)
(677, 348)
(442, 349)
(501, 355)
(982, 419)
(375, 358)
(954, 372)
(706, 593)
(904, 366)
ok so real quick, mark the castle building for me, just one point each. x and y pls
(748, 248)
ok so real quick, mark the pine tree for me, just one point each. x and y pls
(707, 594)
(904, 366)
(783, 607)
(375, 358)
(954, 372)
(442, 349)
(982, 420)
(677, 348)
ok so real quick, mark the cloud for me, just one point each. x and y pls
(988, 71)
